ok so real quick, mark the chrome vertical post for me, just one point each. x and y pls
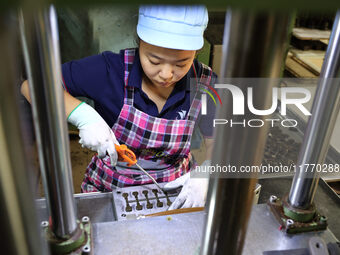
(20, 229)
(253, 46)
(41, 50)
(320, 125)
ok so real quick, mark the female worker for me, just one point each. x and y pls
(142, 99)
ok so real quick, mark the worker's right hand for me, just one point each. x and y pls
(94, 133)
(194, 190)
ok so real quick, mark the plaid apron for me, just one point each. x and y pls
(162, 146)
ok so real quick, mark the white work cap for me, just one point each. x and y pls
(174, 27)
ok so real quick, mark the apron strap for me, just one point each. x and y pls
(129, 56)
(202, 84)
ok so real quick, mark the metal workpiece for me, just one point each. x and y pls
(20, 231)
(139, 201)
(40, 42)
(320, 125)
(254, 45)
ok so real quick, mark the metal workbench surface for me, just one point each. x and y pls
(183, 232)
(175, 234)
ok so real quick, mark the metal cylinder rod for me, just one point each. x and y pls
(42, 59)
(253, 46)
(19, 225)
(320, 125)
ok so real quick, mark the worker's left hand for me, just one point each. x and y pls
(194, 190)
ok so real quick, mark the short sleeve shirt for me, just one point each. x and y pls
(101, 78)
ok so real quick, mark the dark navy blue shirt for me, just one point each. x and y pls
(101, 78)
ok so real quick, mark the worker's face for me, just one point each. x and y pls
(164, 67)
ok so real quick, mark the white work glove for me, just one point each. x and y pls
(94, 133)
(194, 190)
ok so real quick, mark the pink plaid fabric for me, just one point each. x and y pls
(151, 138)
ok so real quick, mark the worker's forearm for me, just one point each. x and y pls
(70, 101)
(209, 145)
(25, 91)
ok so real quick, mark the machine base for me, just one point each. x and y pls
(304, 221)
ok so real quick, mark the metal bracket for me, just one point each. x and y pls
(304, 222)
(80, 243)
